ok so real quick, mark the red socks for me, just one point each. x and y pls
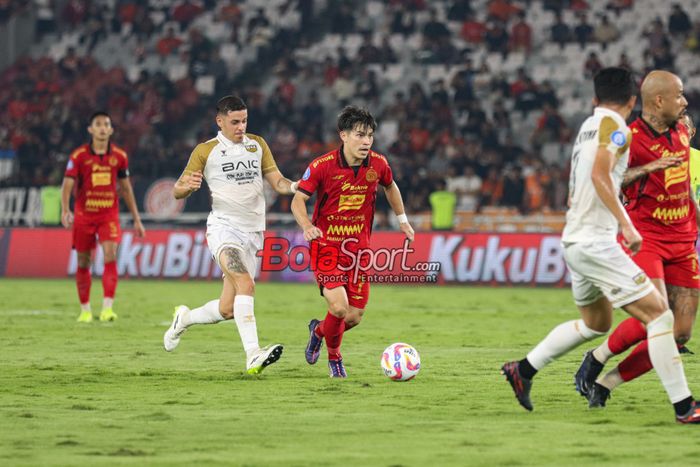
(109, 279)
(631, 331)
(83, 280)
(332, 328)
(637, 362)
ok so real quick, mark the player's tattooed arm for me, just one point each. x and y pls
(234, 262)
(187, 184)
(635, 173)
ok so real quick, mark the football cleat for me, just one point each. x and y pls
(692, 417)
(598, 396)
(171, 338)
(108, 315)
(337, 369)
(521, 386)
(313, 347)
(264, 358)
(587, 373)
(85, 317)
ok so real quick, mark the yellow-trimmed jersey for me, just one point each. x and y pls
(234, 173)
(587, 219)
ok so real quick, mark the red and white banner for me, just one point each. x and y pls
(456, 258)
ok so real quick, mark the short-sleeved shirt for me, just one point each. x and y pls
(234, 173)
(659, 203)
(96, 181)
(588, 219)
(345, 196)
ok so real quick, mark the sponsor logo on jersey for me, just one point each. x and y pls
(349, 186)
(93, 204)
(670, 214)
(371, 176)
(675, 175)
(350, 202)
(345, 230)
(327, 158)
(338, 177)
(113, 161)
(618, 138)
(251, 147)
(101, 179)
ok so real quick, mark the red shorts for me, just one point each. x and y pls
(85, 232)
(675, 263)
(338, 275)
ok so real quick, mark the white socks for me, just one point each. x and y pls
(665, 357)
(85, 306)
(559, 341)
(602, 353)
(107, 303)
(245, 320)
(611, 380)
(205, 314)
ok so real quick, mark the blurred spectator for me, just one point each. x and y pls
(491, 189)
(591, 66)
(434, 31)
(605, 32)
(169, 43)
(502, 10)
(497, 38)
(368, 52)
(513, 188)
(473, 31)
(521, 35)
(583, 32)
(560, 31)
(185, 12)
(618, 6)
(551, 128)
(679, 24)
(343, 21)
(459, 10)
(45, 17)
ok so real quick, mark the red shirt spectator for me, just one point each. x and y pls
(473, 31)
(521, 35)
(168, 44)
(502, 10)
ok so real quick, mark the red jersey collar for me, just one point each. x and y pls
(344, 164)
(93, 153)
(655, 133)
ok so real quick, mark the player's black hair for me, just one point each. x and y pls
(99, 113)
(229, 104)
(352, 116)
(614, 85)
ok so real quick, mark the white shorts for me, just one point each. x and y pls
(603, 268)
(220, 235)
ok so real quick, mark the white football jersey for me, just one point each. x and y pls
(234, 173)
(588, 219)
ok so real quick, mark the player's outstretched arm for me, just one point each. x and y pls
(128, 195)
(311, 232)
(66, 190)
(280, 184)
(635, 173)
(393, 195)
(601, 177)
(187, 184)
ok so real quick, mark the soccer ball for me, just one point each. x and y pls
(400, 362)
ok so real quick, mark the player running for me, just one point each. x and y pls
(97, 167)
(661, 207)
(234, 164)
(345, 182)
(602, 275)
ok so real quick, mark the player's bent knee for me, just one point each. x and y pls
(226, 310)
(338, 309)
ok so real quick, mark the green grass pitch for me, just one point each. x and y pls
(108, 394)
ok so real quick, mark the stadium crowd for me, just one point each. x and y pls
(461, 127)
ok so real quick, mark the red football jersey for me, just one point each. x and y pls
(96, 180)
(345, 199)
(659, 204)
